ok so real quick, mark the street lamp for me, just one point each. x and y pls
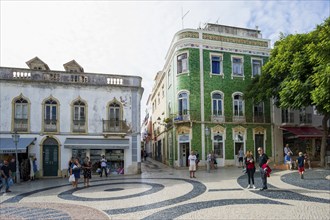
(207, 133)
(16, 140)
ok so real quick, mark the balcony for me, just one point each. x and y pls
(218, 118)
(79, 126)
(21, 125)
(50, 125)
(115, 126)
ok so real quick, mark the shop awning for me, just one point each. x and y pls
(7, 145)
(304, 132)
(90, 143)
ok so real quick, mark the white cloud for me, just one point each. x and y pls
(132, 37)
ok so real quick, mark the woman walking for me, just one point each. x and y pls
(75, 170)
(250, 168)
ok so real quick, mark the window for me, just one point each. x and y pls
(79, 116)
(182, 63)
(216, 64)
(169, 75)
(217, 104)
(21, 115)
(163, 92)
(218, 145)
(256, 67)
(238, 105)
(237, 66)
(287, 116)
(183, 103)
(50, 116)
(50, 110)
(114, 114)
(258, 112)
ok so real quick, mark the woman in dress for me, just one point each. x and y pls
(75, 170)
(87, 167)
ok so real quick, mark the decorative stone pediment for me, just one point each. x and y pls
(239, 129)
(259, 130)
(218, 129)
(183, 130)
(37, 64)
(73, 66)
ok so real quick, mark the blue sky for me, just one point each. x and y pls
(132, 37)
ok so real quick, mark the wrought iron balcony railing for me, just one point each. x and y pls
(21, 124)
(50, 125)
(115, 126)
(79, 126)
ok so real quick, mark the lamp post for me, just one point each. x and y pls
(16, 140)
(207, 133)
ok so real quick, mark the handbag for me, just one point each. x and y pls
(71, 178)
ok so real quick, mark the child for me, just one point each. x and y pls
(287, 160)
(301, 162)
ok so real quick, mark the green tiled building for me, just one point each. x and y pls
(205, 75)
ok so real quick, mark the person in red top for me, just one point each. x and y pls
(250, 168)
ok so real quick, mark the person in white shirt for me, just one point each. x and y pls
(103, 166)
(192, 164)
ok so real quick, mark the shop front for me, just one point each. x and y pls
(112, 149)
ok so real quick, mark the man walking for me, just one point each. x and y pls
(6, 175)
(263, 159)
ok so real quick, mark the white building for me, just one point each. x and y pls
(60, 114)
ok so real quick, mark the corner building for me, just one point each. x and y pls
(205, 75)
(71, 113)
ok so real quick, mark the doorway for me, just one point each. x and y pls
(50, 157)
(184, 154)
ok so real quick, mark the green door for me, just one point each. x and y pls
(50, 160)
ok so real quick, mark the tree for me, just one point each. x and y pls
(297, 75)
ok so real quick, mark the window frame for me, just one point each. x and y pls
(182, 71)
(183, 111)
(23, 104)
(217, 100)
(241, 67)
(220, 64)
(238, 101)
(252, 66)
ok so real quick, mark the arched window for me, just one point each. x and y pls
(50, 115)
(21, 122)
(217, 104)
(114, 114)
(79, 116)
(238, 105)
(183, 103)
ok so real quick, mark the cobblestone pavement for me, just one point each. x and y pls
(161, 192)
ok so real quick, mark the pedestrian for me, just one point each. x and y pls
(12, 167)
(301, 165)
(240, 157)
(192, 164)
(75, 170)
(35, 167)
(145, 155)
(103, 166)
(288, 161)
(31, 168)
(250, 168)
(87, 168)
(263, 161)
(197, 160)
(308, 161)
(287, 150)
(6, 175)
